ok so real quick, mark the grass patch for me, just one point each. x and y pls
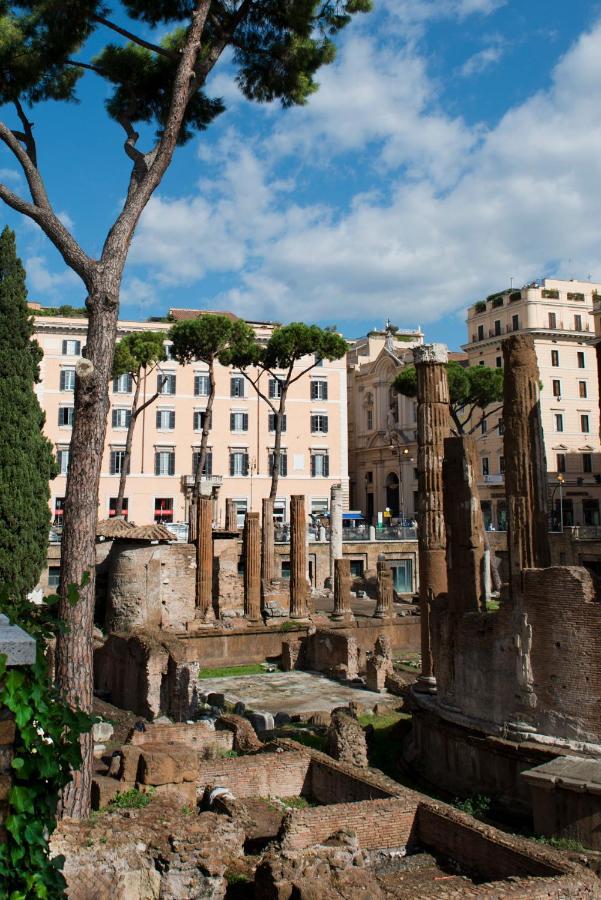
(290, 626)
(561, 843)
(296, 802)
(231, 671)
(132, 799)
(477, 806)
(236, 878)
(305, 737)
(383, 744)
(492, 605)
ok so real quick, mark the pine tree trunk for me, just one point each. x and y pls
(128, 443)
(74, 650)
(206, 430)
(277, 446)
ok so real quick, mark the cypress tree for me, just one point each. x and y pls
(26, 459)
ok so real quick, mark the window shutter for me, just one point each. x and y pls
(115, 385)
(172, 463)
(63, 380)
(313, 466)
(158, 418)
(324, 390)
(161, 384)
(157, 463)
(283, 465)
(114, 416)
(128, 417)
(326, 466)
(245, 469)
(232, 421)
(64, 348)
(172, 419)
(324, 424)
(313, 390)
(271, 388)
(271, 421)
(313, 423)
(231, 463)
(284, 422)
(245, 422)
(209, 463)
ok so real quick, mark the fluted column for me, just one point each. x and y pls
(433, 426)
(384, 605)
(204, 558)
(299, 586)
(465, 529)
(525, 463)
(252, 567)
(231, 516)
(342, 589)
(267, 544)
(335, 526)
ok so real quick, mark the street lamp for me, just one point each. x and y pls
(402, 453)
(560, 481)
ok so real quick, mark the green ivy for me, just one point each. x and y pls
(46, 750)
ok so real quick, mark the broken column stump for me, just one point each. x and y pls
(299, 586)
(342, 590)
(384, 605)
(204, 558)
(252, 567)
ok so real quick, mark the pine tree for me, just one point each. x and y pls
(26, 460)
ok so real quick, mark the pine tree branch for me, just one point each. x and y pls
(154, 48)
(27, 137)
(36, 185)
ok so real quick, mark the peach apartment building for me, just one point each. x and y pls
(559, 316)
(167, 435)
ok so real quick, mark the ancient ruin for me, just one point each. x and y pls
(384, 608)
(252, 567)
(342, 590)
(204, 558)
(299, 588)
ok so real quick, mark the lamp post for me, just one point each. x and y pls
(560, 480)
(403, 454)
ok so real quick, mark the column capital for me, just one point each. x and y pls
(16, 644)
(429, 354)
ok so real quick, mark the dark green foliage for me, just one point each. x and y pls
(279, 45)
(137, 351)
(471, 389)
(67, 311)
(46, 749)
(205, 338)
(26, 460)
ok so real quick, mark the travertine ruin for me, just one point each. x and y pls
(204, 558)
(252, 567)
(525, 463)
(231, 515)
(433, 426)
(379, 665)
(342, 590)
(384, 606)
(267, 545)
(346, 739)
(335, 526)
(299, 585)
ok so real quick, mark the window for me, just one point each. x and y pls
(318, 360)
(552, 320)
(202, 386)
(555, 358)
(166, 384)
(357, 568)
(121, 418)
(320, 464)
(59, 509)
(484, 426)
(369, 477)
(54, 577)
(113, 506)
(198, 419)
(515, 323)
(558, 422)
(164, 462)
(578, 323)
(485, 468)
(581, 360)
(207, 469)
(319, 389)
(165, 419)
(499, 362)
(163, 509)
(370, 419)
(117, 461)
(502, 465)
(497, 326)
(65, 415)
(556, 387)
(238, 463)
(584, 424)
(169, 354)
(285, 570)
(271, 422)
(319, 424)
(71, 348)
(283, 463)
(238, 421)
(561, 462)
(241, 508)
(587, 462)
(62, 458)
(275, 388)
(237, 386)
(279, 511)
(480, 332)
(582, 389)
(123, 384)
(67, 382)
(319, 506)
(501, 427)
(481, 363)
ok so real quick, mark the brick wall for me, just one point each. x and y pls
(197, 736)
(378, 824)
(263, 775)
(7, 736)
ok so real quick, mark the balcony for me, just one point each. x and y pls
(396, 533)
(494, 479)
(209, 484)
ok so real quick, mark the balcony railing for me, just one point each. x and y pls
(208, 483)
(494, 479)
(396, 533)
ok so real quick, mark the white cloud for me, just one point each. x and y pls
(48, 284)
(12, 176)
(477, 208)
(482, 60)
(413, 15)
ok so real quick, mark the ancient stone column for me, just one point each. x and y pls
(525, 463)
(342, 589)
(231, 516)
(464, 526)
(384, 608)
(252, 566)
(335, 526)
(486, 576)
(433, 426)
(299, 586)
(192, 516)
(267, 544)
(204, 558)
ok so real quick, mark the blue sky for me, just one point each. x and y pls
(453, 145)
